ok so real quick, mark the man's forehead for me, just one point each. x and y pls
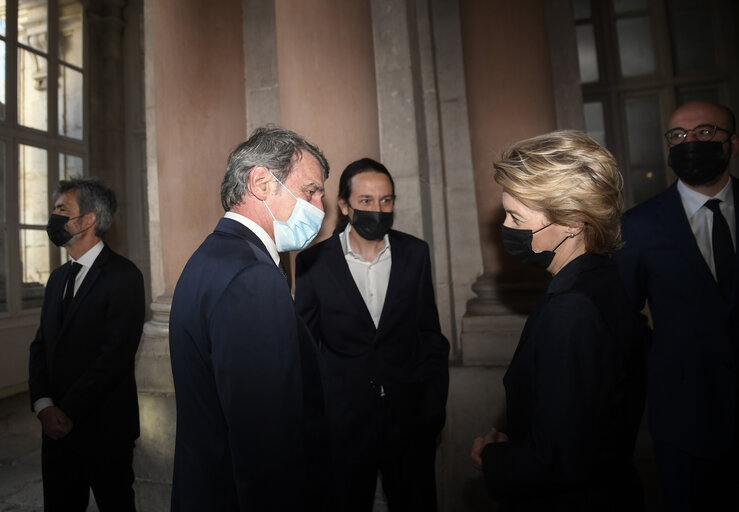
(308, 170)
(691, 115)
(68, 198)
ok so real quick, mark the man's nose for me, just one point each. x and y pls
(690, 136)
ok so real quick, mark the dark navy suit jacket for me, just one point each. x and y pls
(251, 431)
(692, 359)
(406, 355)
(85, 361)
(575, 393)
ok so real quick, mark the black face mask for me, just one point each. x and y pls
(372, 225)
(55, 229)
(698, 163)
(518, 244)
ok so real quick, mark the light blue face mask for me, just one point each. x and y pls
(301, 228)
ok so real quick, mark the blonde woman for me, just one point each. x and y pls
(575, 386)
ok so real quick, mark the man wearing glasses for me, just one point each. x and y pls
(680, 259)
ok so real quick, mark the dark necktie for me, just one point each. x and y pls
(723, 249)
(74, 269)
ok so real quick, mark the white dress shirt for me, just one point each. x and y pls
(371, 277)
(701, 218)
(86, 260)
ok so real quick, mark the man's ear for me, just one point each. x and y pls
(343, 206)
(89, 219)
(734, 145)
(260, 180)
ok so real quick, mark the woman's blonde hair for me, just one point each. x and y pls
(571, 179)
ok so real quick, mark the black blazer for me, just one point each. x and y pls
(85, 362)
(251, 432)
(575, 397)
(693, 353)
(406, 355)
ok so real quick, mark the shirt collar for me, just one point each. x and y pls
(87, 259)
(259, 231)
(693, 200)
(346, 245)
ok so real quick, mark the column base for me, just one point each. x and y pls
(154, 454)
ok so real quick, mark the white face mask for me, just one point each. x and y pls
(301, 228)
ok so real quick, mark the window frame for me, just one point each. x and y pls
(14, 135)
(613, 90)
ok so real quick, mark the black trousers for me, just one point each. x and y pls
(72, 466)
(690, 483)
(406, 465)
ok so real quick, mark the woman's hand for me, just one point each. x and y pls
(494, 436)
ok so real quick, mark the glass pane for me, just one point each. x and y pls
(688, 95)
(646, 148)
(2, 79)
(70, 32)
(586, 53)
(70, 102)
(3, 201)
(3, 273)
(35, 266)
(635, 46)
(581, 9)
(32, 90)
(693, 39)
(620, 6)
(3, 17)
(32, 24)
(595, 125)
(33, 195)
(70, 166)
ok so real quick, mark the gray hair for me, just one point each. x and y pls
(92, 196)
(271, 147)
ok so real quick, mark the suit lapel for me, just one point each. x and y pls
(338, 269)
(87, 284)
(678, 230)
(399, 265)
(55, 292)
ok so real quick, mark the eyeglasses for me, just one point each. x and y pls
(702, 132)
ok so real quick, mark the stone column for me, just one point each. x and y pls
(155, 448)
(192, 123)
(153, 457)
(457, 182)
(106, 112)
(424, 141)
(260, 64)
(565, 67)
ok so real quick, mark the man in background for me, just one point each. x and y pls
(81, 369)
(367, 296)
(680, 258)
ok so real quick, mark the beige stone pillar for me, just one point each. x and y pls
(195, 115)
(509, 88)
(508, 80)
(424, 140)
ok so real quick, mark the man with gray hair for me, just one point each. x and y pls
(81, 366)
(251, 430)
